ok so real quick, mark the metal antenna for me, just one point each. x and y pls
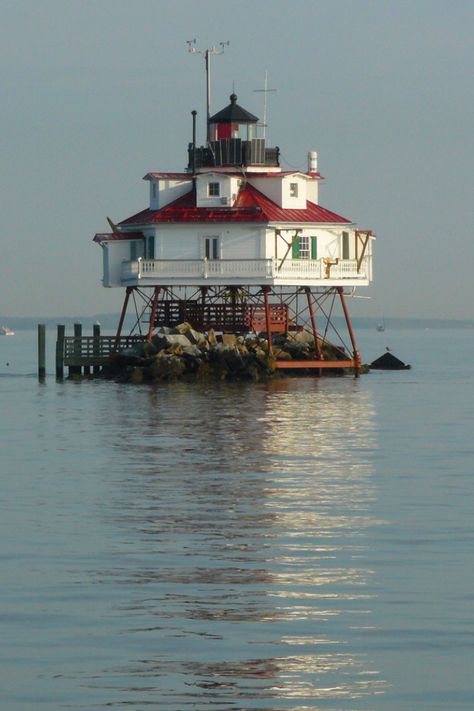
(207, 54)
(265, 91)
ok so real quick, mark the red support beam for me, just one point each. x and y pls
(265, 290)
(355, 351)
(313, 323)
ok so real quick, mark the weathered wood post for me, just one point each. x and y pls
(76, 369)
(96, 348)
(41, 351)
(60, 352)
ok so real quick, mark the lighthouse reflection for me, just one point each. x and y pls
(248, 509)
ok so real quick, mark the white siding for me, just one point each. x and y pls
(278, 190)
(186, 241)
(329, 241)
(271, 187)
(166, 191)
(293, 202)
(228, 189)
(312, 190)
(114, 254)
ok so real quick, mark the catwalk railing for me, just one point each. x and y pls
(298, 269)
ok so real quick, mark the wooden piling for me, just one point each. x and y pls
(41, 351)
(76, 369)
(96, 347)
(60, 352)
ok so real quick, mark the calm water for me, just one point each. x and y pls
(303, 544)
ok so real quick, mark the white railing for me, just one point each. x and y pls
(319, 269)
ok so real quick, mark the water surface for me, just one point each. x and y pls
(300, 544)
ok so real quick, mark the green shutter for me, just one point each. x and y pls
(314, 247)
(295, 250)
(151, 247)
(345, 245)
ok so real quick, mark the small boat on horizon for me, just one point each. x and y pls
(381, 325)
(5, 331)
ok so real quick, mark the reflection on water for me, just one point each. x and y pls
(239, 516)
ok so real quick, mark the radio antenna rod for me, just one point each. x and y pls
(265, 91)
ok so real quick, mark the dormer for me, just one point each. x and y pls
(166, 187)
(215, 189)
(287, 190)
(293, 192)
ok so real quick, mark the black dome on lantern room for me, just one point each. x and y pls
(233, 113)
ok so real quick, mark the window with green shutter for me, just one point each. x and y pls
(305, 247)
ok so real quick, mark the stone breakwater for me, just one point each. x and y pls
(182, 353)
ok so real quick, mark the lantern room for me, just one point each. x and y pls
(233, 142)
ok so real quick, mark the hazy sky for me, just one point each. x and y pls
(96, 94)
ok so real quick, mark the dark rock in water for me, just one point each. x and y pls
(389, 362)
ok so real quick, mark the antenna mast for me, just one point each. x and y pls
(207, 54)
(265, 91)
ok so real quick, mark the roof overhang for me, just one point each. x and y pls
(102, 237)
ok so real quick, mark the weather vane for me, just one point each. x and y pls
(207, 54)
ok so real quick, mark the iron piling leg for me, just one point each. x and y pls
(154, 309)
(356, 354)
(313, 323)
(122, 316)
(265, 290)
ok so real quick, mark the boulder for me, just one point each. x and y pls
(388, 361)
(163, 341)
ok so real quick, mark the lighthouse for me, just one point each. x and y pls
(238, 244)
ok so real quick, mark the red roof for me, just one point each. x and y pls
(168, 176)
(274, 213)
(251, 206)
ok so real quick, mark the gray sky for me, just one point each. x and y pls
(96, 94)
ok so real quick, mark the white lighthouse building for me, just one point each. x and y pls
(236, 243)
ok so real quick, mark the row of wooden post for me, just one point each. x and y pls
(61, 330)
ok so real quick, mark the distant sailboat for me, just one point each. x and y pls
(381, 325)
(5, 331)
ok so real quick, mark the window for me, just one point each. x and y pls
(211, 248)
(153, 190)
(345, 245)
(214, 189)
(133, 251)
(305, 247)
(293, 189)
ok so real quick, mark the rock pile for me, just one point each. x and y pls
(184, 353)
